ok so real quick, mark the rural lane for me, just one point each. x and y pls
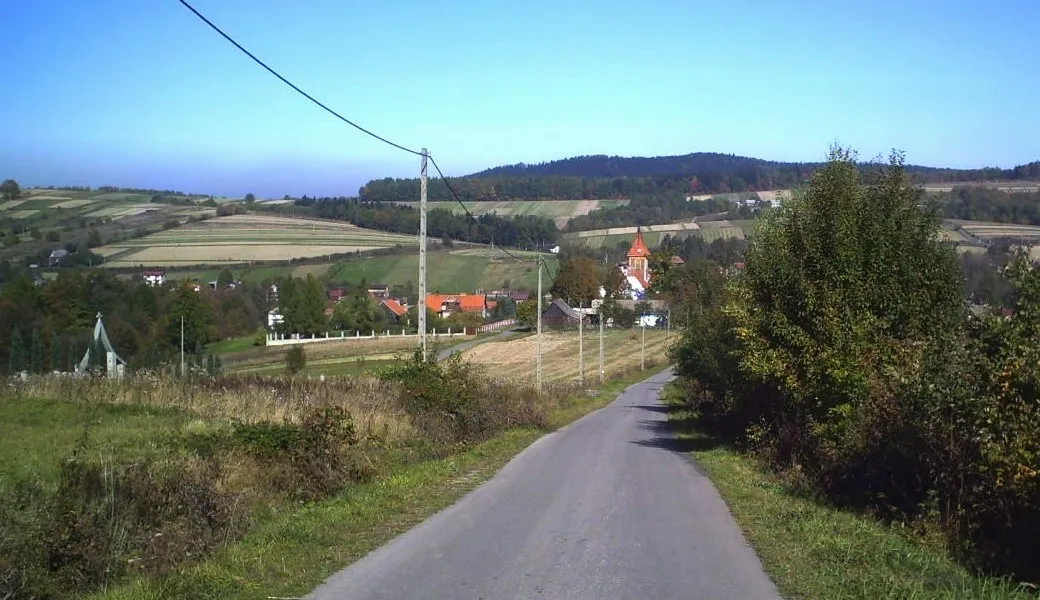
(605, 508)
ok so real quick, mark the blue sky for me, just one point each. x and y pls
(132, 93)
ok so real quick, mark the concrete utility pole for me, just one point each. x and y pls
(581, 346)
(642, 345)
(538, 349)
(422, 254)
(602, 317)
(182, 345)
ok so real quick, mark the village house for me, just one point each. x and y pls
(336, 294)
(447, 304)
(559, 314)
(154, 276)
(395, 311)
(379, 291)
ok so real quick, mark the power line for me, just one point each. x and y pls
(292, 85)
(455, 195)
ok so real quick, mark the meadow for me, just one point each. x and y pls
(559, 210)
(653, 234)
(248, 238)
(461, 270)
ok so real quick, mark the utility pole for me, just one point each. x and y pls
(581, 346)
(602, 317)
(642, 345)
(538, 335)
(422, 255)
(182, 345)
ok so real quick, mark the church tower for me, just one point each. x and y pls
(639, 258)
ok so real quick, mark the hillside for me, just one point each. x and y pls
(600, 176)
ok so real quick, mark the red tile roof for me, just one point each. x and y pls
(638, 246)
(472, 302)
(395, 307)
(676, 260)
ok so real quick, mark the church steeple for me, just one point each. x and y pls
(638, 257)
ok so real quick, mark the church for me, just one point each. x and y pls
(637, 271)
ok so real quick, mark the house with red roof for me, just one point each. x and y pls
(395, 311)
(446, 304)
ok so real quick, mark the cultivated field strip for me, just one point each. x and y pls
(515, 359)
(246, 238)
(560, 211)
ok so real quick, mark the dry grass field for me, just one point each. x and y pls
(515, 359)
(245, 238)
(560, 211)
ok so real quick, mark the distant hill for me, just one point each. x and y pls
(601, 166)
(615, 177)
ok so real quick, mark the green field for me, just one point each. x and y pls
(248, 238)
(455, 271)
(559, 210)
(653, 234)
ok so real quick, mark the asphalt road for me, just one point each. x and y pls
(606, 508)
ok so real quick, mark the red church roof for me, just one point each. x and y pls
(638, 246)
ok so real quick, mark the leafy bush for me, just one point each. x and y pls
(454, 402)
(842, 354)
(295, 359)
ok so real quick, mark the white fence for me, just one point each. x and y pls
(281, 339)
(496, 325)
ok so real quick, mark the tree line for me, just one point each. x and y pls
(49, 327)
(845, 356)
(524, 231)
(982, 203)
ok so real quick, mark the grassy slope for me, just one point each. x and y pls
(813, 551)
(37, 434)
(290, 555)
(446, 272)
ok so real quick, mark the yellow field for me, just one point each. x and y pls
(8, 205)
(246, 238)
(516, 358)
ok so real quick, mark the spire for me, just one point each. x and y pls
(638, 245)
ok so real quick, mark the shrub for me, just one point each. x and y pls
(295, 359)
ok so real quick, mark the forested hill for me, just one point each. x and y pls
(596, 177)
(603, 166)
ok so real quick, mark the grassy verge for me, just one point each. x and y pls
(292, 553)
(814, 551)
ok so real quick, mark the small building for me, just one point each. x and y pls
(677, 261)
(379, 291)
(336, 294)
(274, 318)
(520, 297)
(154, 276)
(56, 256)
(395, 311)
(560, 314)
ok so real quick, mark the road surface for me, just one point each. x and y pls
(606, 508)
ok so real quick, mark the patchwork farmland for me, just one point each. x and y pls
(653, 234)
(450, 271)
(559, 210)
(247, 238)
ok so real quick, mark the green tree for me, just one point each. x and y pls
(198, 319)
(17, 360)
(577, 281)
(94, 238)
(527, 312)
(224, 279)
(35, 233)
(53, 235)
(36, 353)
(250, 199)
(10, 190)
(295, 359)
(846, 282)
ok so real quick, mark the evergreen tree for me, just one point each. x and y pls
(36, 353)
(17, 351)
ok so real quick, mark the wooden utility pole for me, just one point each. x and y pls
(538, 335)
(422, 254)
